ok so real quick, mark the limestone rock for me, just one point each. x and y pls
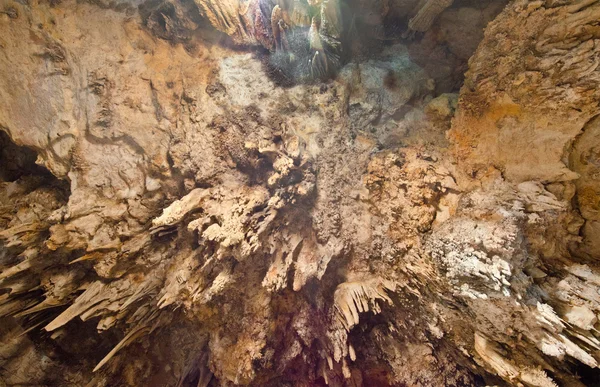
(262, 193)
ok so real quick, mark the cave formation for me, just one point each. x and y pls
(299, 192)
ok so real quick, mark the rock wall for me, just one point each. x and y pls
(174, 213)
(530, 89)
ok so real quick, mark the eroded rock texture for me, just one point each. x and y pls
(293, 193)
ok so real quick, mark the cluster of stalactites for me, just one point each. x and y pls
(303, 36)
(349, 301)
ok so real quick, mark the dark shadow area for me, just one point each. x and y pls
(17, 161)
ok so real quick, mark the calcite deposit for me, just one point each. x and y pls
(299, 193)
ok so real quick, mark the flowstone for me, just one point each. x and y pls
(299, 193)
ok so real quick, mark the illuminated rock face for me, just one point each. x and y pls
(171, 214)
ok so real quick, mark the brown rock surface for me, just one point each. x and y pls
(171, 215)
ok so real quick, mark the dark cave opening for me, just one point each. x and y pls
(18, 165)
(17, 161)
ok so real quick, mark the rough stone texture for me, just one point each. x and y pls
(584, 159)
(190, 222)
(530, 89)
